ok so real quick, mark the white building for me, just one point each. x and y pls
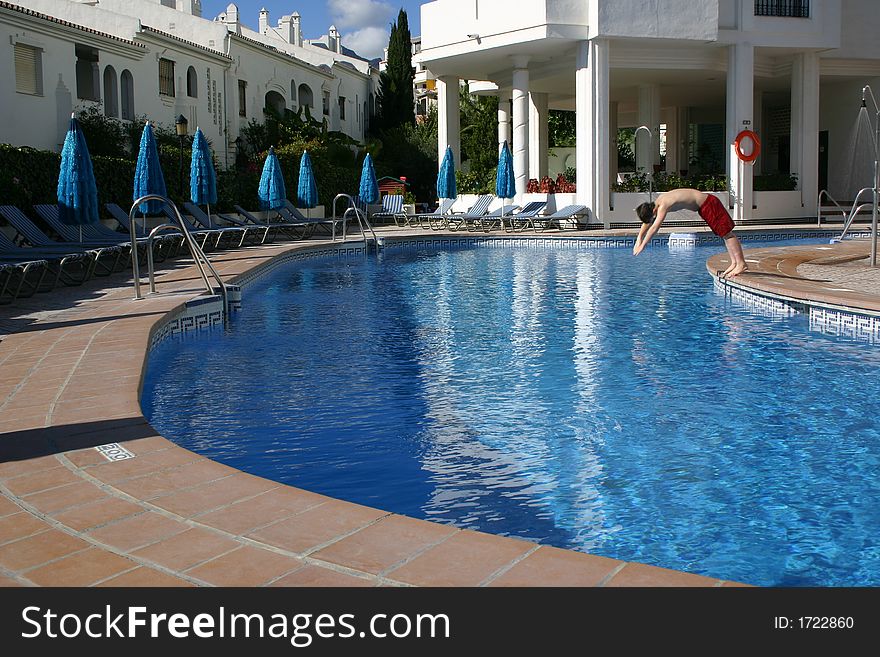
(791, 70)
(161, 59)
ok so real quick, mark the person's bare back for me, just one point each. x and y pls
(681, 199)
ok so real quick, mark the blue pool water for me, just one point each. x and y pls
(580, 398)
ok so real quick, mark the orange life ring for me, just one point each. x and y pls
(756, 148)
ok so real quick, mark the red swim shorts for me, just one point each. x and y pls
(715, 214)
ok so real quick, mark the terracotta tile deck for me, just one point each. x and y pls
(71, 364)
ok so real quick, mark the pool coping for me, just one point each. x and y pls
(169, 517)
(774, 287)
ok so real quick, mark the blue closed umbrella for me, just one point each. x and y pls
(148, 178)
(307, 188)
(202, 177)
(77, 192)
(505, 183)
(369, 189)
(446, 176)
(272, 192)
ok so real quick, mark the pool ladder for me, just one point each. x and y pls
(201, 260)
(848, 217)
(362, 219)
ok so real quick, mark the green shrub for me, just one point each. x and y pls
(775, 182)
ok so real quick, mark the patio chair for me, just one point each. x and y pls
(293, 230)
(525, 218)
(107, 257)
(476, 211)
(569, 214)
(392, 208)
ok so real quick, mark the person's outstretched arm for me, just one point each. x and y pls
(641, 236)
(646, 234)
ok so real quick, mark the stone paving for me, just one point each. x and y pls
(72, 362)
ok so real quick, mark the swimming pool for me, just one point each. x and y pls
(580, 398)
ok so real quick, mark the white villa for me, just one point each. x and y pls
(696, 72)
(161, 59)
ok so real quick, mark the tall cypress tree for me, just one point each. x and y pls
(396, 81)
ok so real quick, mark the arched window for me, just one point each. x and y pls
(293, 92)
(366, 117)
(275, 101)
(111, 93)
(192, 83)
(305, 96)
(126, 81)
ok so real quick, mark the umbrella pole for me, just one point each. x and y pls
(210, 223)
(80, 233)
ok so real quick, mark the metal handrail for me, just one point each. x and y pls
(856, 208)
(150, 268)
(198, 255)
(361, 217)
(825, 193)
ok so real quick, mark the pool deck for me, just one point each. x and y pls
(72, 363)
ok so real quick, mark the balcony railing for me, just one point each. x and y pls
(784, 8)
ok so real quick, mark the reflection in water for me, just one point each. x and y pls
(566, 396)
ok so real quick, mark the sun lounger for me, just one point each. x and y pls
(252, 234)
(439, 215)
(67, 266)
(234, 237)
(475, 213)
(20, 279)
(293, 230)
(107, 257)
(525, 218)
(170, 242)
(294, 214)
(569, 215)
(392, 208)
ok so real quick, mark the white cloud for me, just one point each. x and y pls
(358, 15)
(368, 42)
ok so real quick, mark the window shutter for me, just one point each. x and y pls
(28, 70)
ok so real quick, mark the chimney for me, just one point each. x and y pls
(285, 27)
(297, 30)
(232, 23)
(334, 43)
(264, 20)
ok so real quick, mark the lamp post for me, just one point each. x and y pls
(180, 124)
(876, 180)
(649, 174)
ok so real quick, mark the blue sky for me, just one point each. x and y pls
(364, 24)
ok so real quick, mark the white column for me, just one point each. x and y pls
(805, 127)
(612, 141)
(757, 126)
(648, 146)
(503, 118)
(682, 135)
(538, 135)
(448, 119)
(592, 127)
(520, 96)
(740, 105)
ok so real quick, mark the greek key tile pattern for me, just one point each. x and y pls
(755, 303)
(842, 323)
(341, 251)
(198, 315)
